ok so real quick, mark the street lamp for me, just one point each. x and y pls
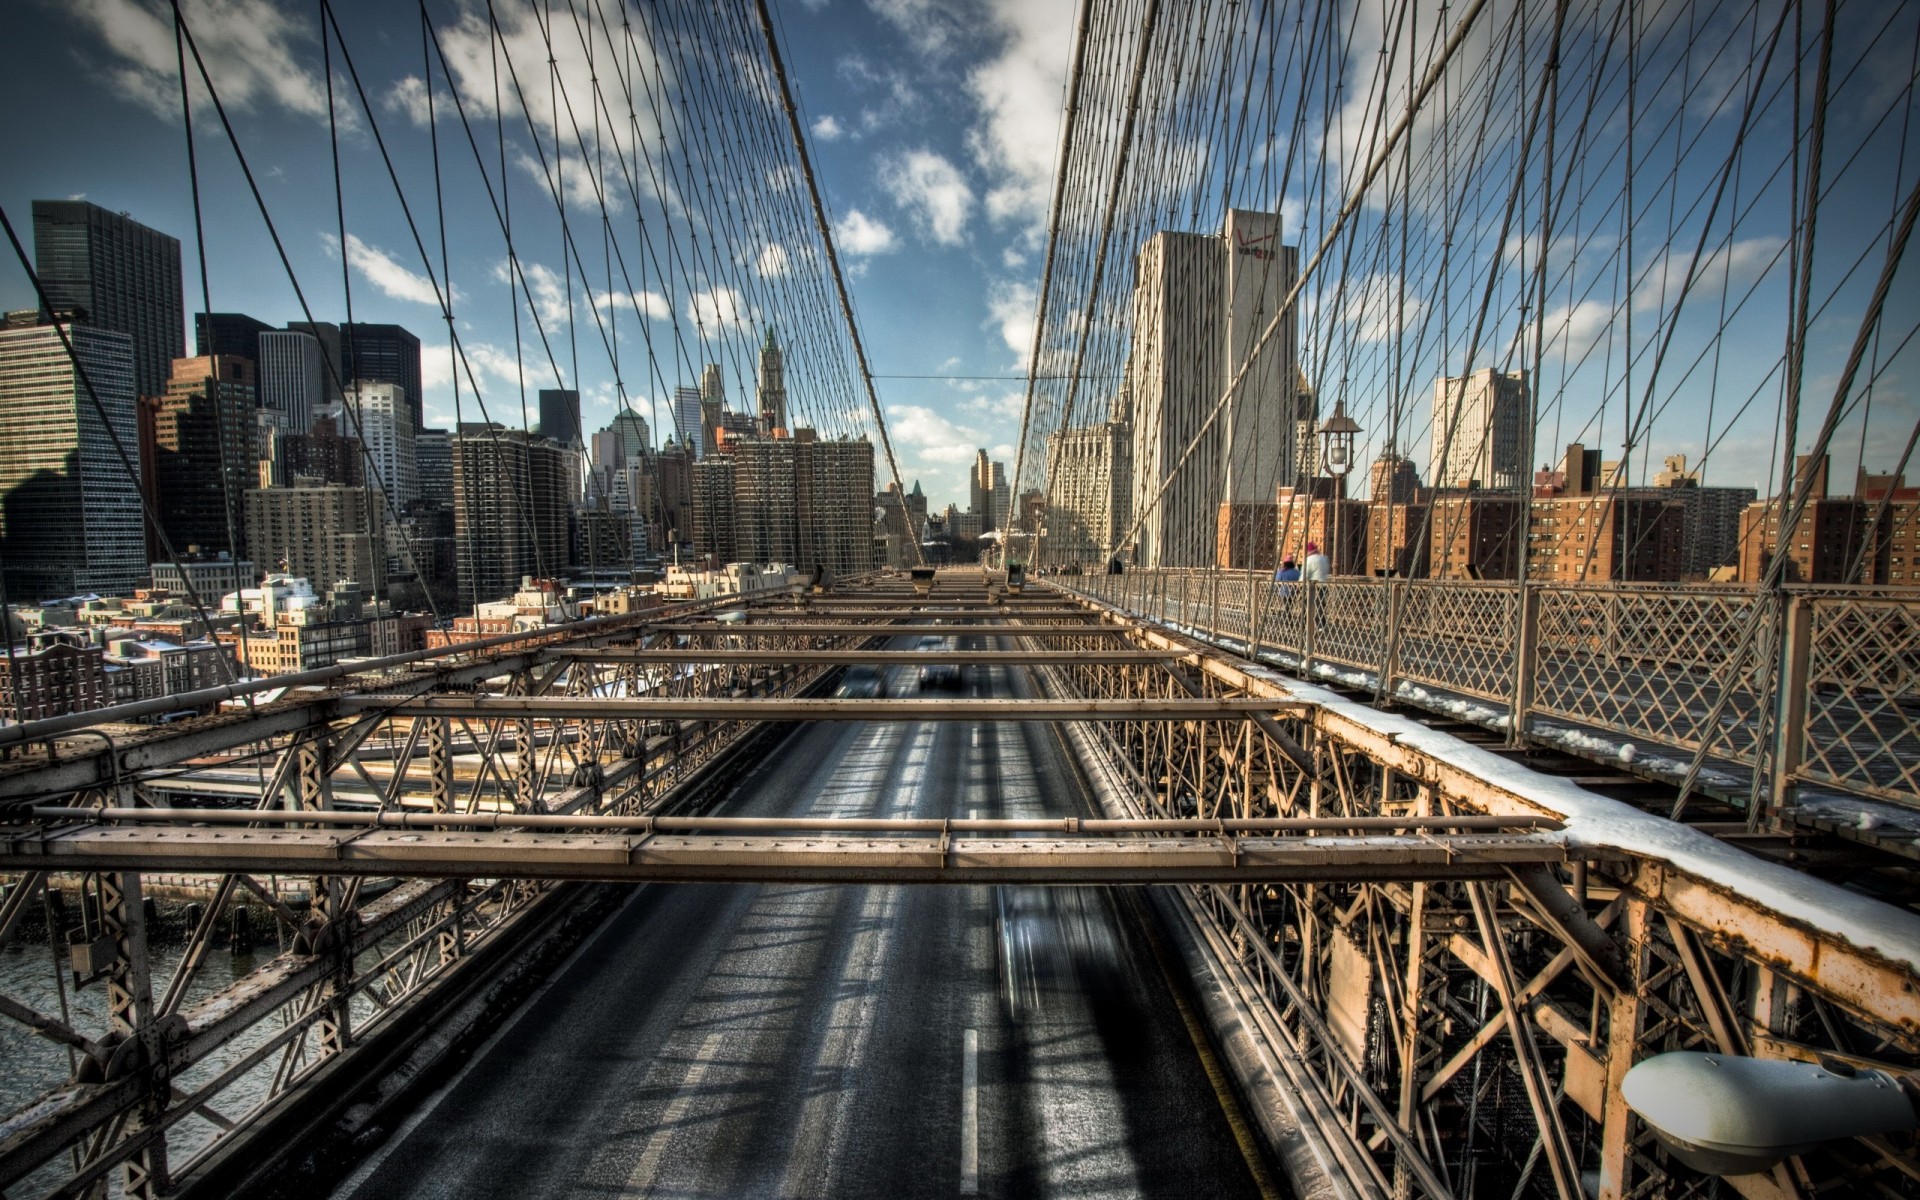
(1723, 1114)
(1336, 456)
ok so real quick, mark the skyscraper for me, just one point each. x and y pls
(292, 377)
(69, 509)
(1089, 493)
(773, 386)
(433, 466)
(125, 275)
(560, 416)
(631, 428)
(835, 481)
(200, 439)
(233, 335)
(766, 501)
(1479, 431)
(687, 418)
(385, 425)
(325, 533)
(1200, 304)
(334, 374)
(510, 509)
(384, 354)
(713, 402)
(713, 508)
(988, 493)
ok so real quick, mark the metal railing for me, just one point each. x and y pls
(1826, 692)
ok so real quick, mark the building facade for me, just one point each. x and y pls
(1089, 493)
(379, 414)
(1200, 305)
(199, 442)
(772, 387)
(331, 533)
(511, 509)
(125, 276)
(1479, 431)
(292, 377)
(70, 519)
(384, 354)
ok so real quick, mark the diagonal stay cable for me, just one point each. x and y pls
(1354, 200)
(833, 257)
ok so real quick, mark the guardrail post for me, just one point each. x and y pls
(1526, 653)
(1258, 586)
(1790, 725)
(1309, 636)
(1390, 652)
(1213, 602)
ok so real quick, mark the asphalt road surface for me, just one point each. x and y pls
(788, 1040)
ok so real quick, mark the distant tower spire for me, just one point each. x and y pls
(773, 386)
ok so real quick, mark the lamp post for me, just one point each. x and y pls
(1336, 456)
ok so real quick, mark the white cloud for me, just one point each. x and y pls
(1011, 307)
(1019, 96)
(930, 26)
(650, 304)
(548, 291)
(718, 308)
(1373, 301)
(1575, 329)
(472, 51)
(827, 128)
(408, 97)
(773, 261)
(858, 234)
(1731, 265)
(932, 191)
(380, 269)
(255, 51)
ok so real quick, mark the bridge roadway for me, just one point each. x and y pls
(800, 1040)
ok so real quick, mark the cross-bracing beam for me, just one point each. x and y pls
(714, 849)
(665, 708)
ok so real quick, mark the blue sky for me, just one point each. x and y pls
(933, 127)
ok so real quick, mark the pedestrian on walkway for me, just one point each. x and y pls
(1317, 569)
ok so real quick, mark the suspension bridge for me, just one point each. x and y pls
(1195, 880)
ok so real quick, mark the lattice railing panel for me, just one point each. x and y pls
(1654, 663)
(1461, 637)
(1863, 697)
(1351, 623)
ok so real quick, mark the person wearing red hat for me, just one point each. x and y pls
(1316, 569)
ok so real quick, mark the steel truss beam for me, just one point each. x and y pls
(734, 858)
(1023, 658)
(1461, 999)
(604, 708)
(923, 628)
(1470, 1038)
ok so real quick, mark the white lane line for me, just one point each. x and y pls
(641, 1181)
(970, 1113)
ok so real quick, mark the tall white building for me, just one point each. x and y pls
(988, 493)
(1200, 303)
(292, 378)
(1479, 431)
(386, 428)
(1089, 493)
(70, 518)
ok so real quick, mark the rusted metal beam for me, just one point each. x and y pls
(671, 708)
(693, 858)
(1023, 658)
(388, 819)
(825, 629)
